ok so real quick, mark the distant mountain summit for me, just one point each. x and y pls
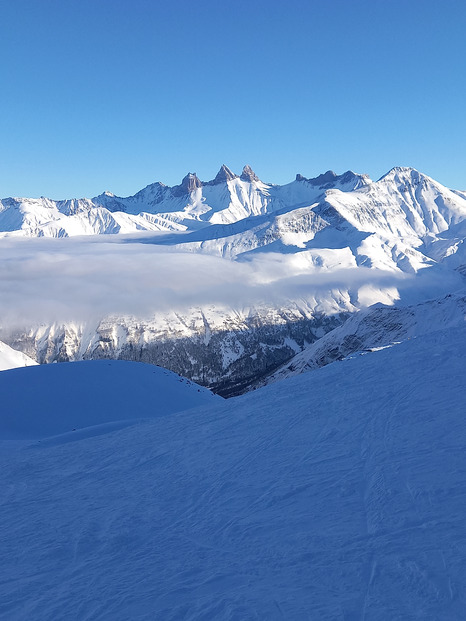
(330, 179)
(189, 183)
(248, 174)
(403, 202)
(223, 175)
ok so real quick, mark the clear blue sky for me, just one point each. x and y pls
(117, 94)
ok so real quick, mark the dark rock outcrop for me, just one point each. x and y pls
(248, 174)
(190, 183)
(223, 175)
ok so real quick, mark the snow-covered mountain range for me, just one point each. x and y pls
(330, 245)
(190, 205)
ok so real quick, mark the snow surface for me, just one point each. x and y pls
(338, 494)
(12, 359)
(48, 400)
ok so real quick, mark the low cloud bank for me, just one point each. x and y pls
(47, 280)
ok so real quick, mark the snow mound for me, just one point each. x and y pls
(337, 494)
(12, 359)
(48, 400)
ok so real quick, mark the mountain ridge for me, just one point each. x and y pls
(226, 198)
(229, 198)
(311, 256)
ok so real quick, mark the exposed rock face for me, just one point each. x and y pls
(322, 180)
(223, 175)
(330, 179)
(190, 183)
(372, 329)
(248, 174)
(326, 177)
(226, 357)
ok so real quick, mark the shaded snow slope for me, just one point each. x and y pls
(373, 328)
(334, 495)
(12, 359)
(53, 399)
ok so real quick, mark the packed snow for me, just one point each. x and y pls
(49, 400)
(337, 494)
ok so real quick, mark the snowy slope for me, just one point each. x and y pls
(11, 359)
(333, 495)
(404, 202)
(449, 247)
(56, 399)
(374, 328)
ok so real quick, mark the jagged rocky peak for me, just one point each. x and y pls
(189, 183)
(325, 178)
(357, 180)
(248, 174)
(330, 179)
(224, 174)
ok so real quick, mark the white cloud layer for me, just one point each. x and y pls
(46, 280)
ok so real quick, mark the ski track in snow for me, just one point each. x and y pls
(338, 494)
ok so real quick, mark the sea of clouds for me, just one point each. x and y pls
(46, 280)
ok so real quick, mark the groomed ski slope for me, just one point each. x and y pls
(337, 494)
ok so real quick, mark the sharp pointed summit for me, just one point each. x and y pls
(248, 174)
(223, 175)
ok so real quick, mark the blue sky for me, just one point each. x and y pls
(117, 94)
